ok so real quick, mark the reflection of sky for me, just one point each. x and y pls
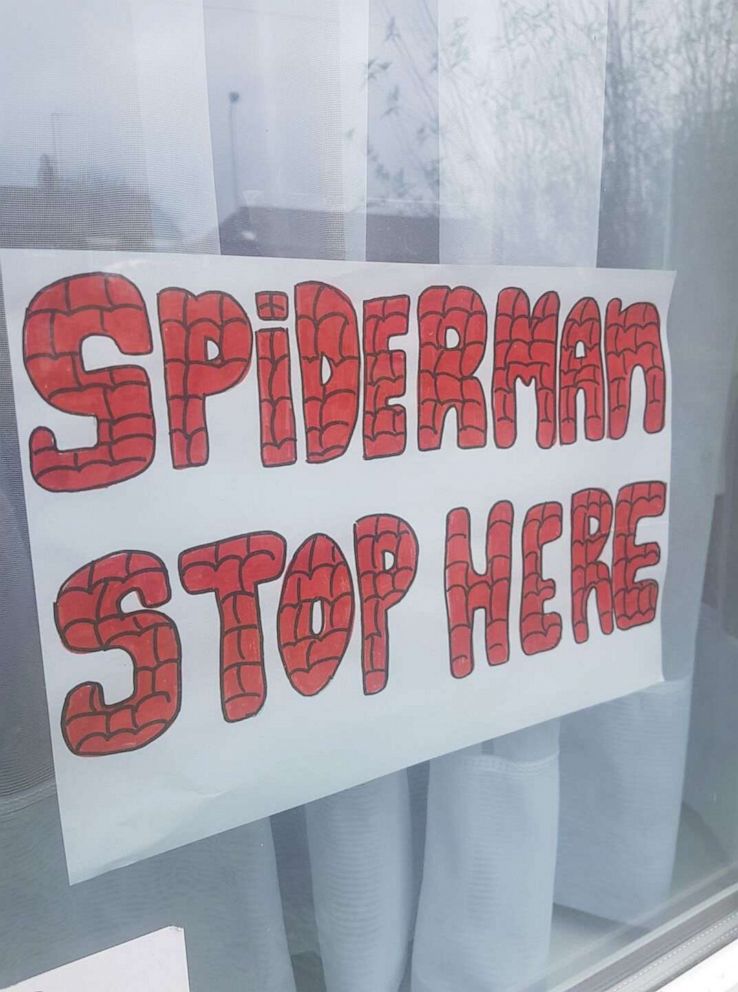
(68, 67)
(110, 90)
(283, 58)
(118, 90)
(522, 114)
(103, 87)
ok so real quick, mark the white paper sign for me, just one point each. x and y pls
(154, 963)
(312, 527)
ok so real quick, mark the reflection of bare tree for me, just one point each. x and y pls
(522, 119)
(506, 106)
(510, 103)
(709, 51)
(672, 86)
(403, 95)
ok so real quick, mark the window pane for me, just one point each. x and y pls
(504, 132)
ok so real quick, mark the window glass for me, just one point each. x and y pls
(508, 132)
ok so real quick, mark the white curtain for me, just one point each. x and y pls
(666, 203)
(521, 101)
(107, 142)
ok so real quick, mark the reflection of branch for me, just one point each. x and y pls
(538, 109)
(517, 98)
(672, 79)
(408, 118)
(396, 37)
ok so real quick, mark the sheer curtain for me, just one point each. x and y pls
(521, 89)
(623, 764)
(107, 143)
(290, 139)
(705, 228)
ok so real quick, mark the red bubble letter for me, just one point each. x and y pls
(581, 369)
(468, 591)
(525, 349)
(588, 573)
(188, 325)
(633, 339)
(384, 376)
(233, 570)
(635, 602)
(317, 574)
(381, 587)
(57, 322)
(539, 631)
(278, 435)
(89, 618)
(446, 370)
(328, 339)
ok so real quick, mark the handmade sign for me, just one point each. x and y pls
(154, 963)
(299, 524)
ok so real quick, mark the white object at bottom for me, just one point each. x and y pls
(154, 963)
